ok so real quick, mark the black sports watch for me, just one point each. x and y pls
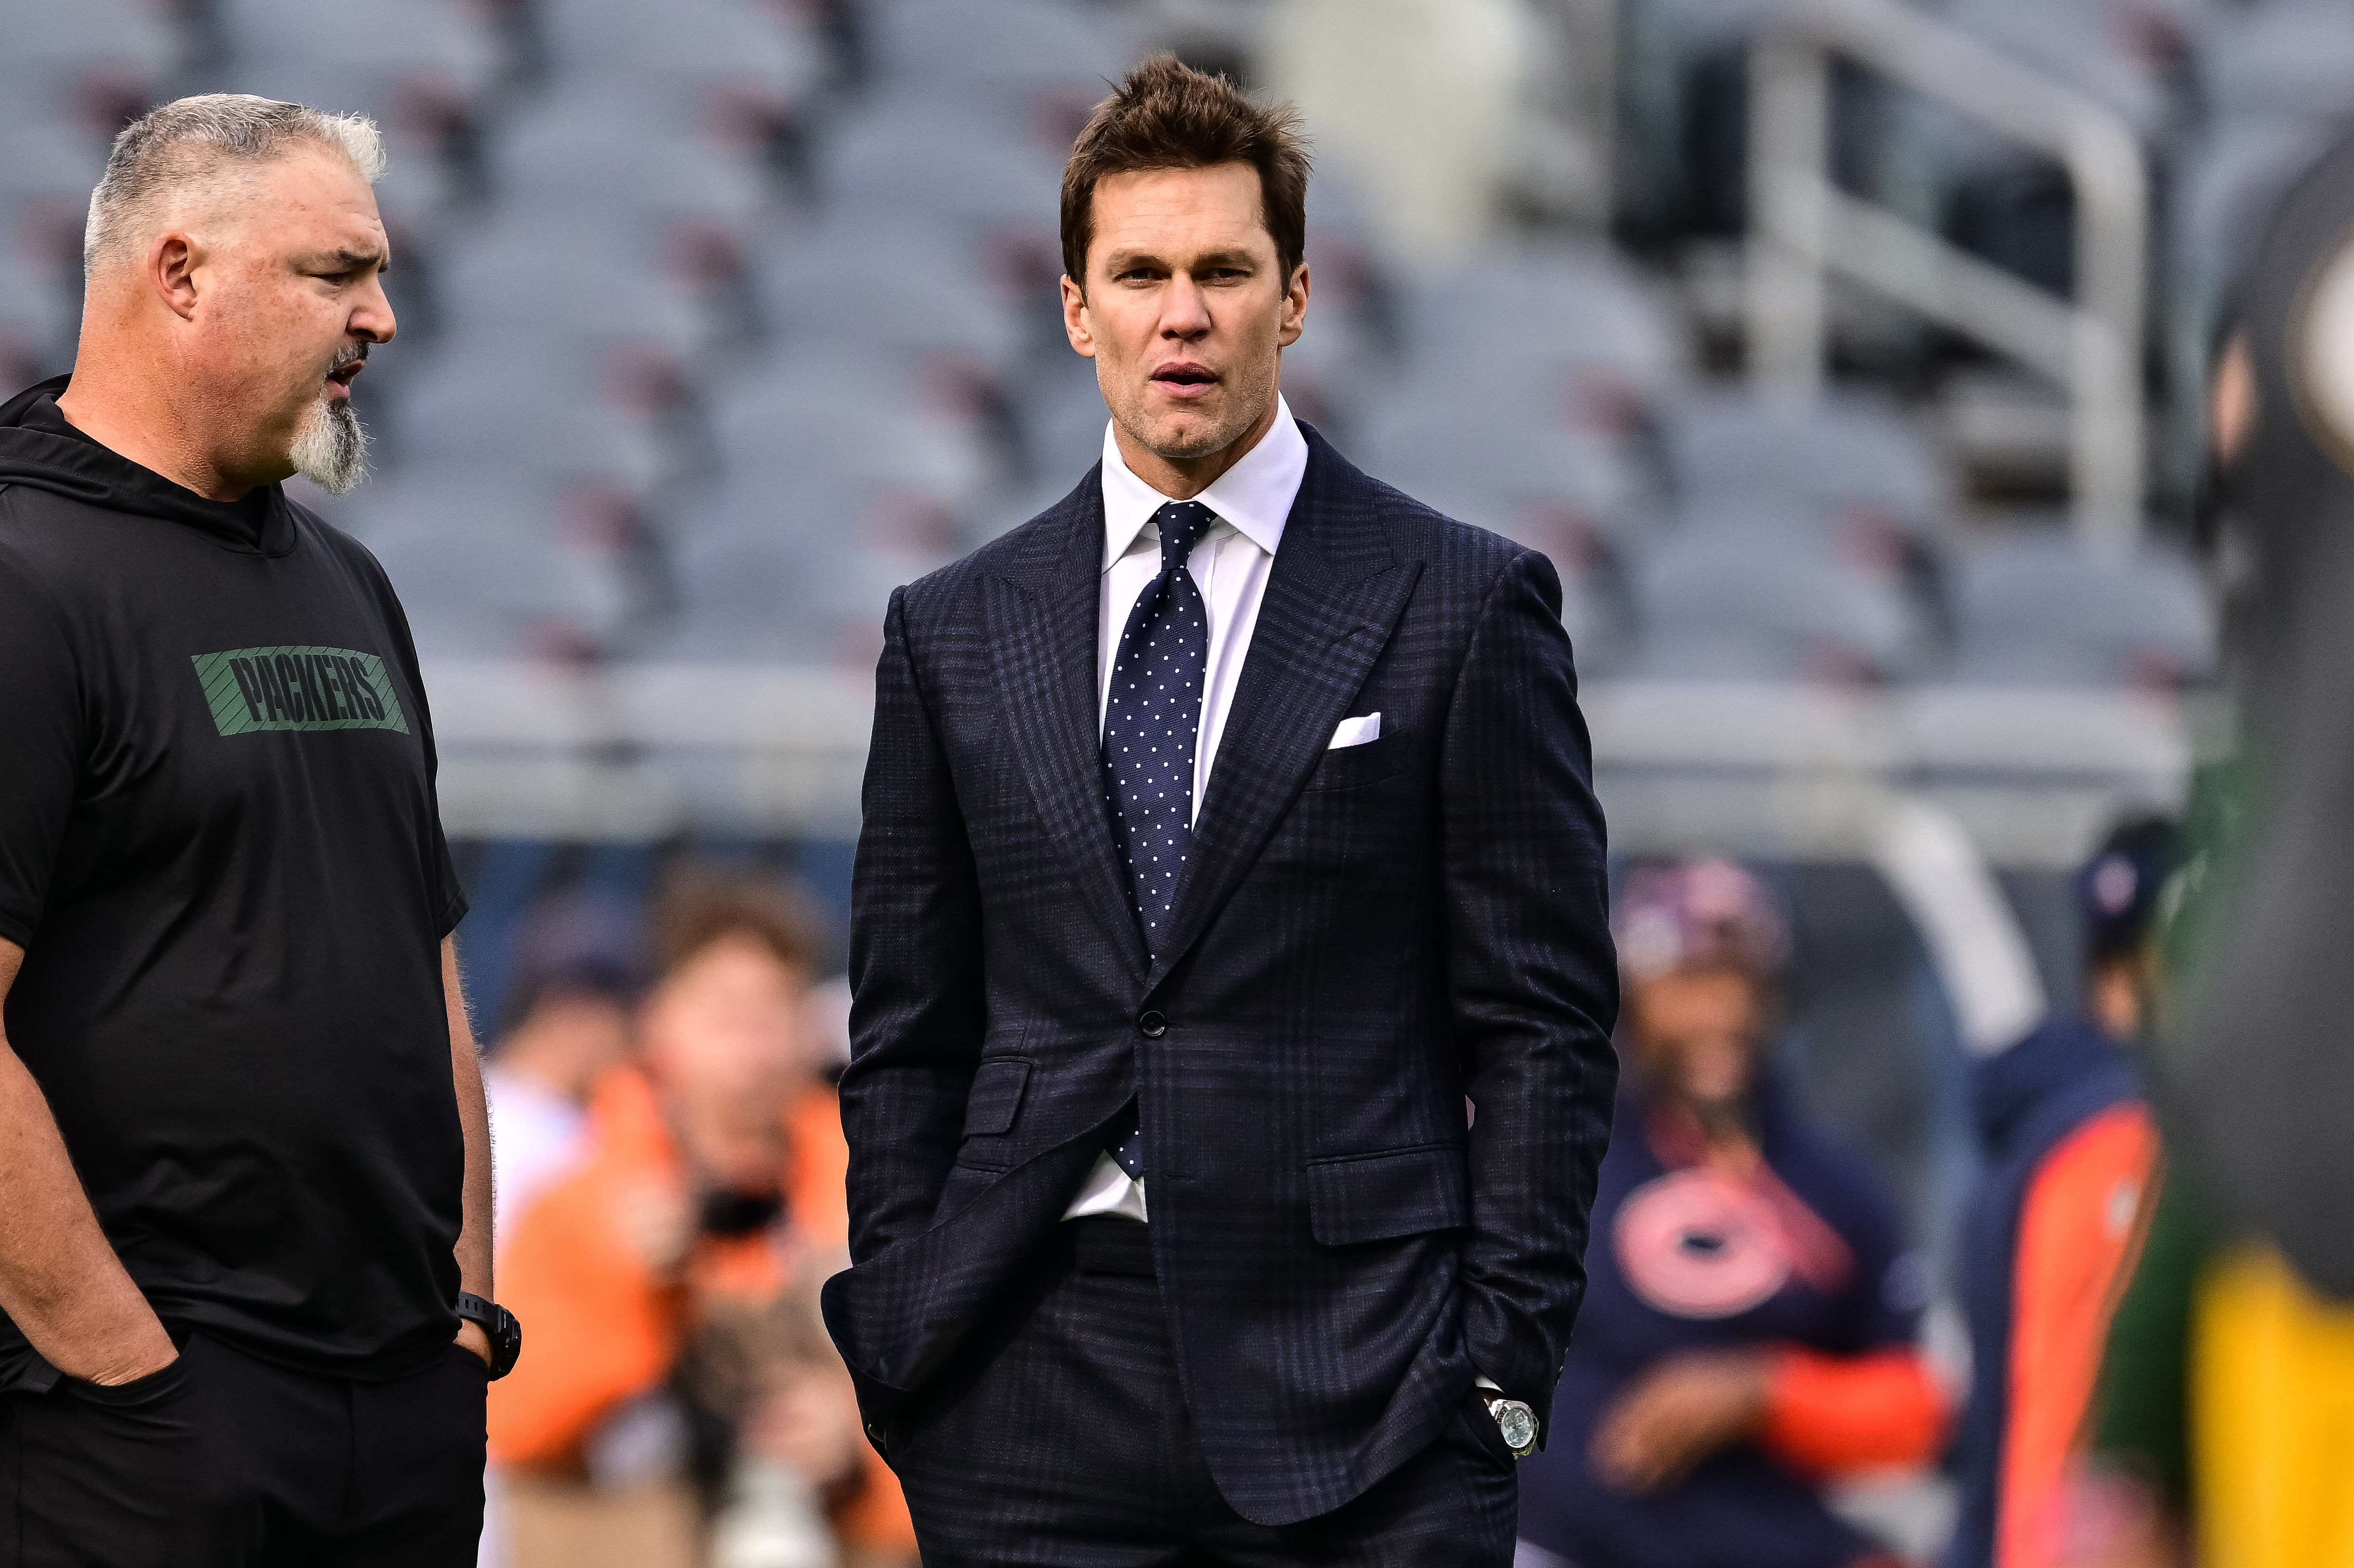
(506, 1334)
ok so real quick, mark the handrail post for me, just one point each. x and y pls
(1790, 124)
(2104, 169)
(1800, 229)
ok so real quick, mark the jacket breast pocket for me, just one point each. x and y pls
(1354, 765)
(991, 1108)
(1379, 1197)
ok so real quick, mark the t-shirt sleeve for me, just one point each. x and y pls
(41, 719)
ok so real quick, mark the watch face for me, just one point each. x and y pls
(1518, 1424)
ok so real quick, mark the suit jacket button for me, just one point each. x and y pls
(1152, 1026)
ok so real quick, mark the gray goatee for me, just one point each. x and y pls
(330, 447)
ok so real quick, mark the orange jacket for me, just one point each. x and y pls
(2076, 1236)
(600, 1327)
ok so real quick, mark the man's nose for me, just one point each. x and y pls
(1185, 310)
(373, 320)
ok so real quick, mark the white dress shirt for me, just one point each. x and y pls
(1230, 566)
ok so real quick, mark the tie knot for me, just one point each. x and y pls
(1182, 525)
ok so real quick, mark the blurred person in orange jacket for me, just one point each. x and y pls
(1751, 1309)
(710, 1198)
(2071, 1149)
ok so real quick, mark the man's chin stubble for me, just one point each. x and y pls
(1182, 445)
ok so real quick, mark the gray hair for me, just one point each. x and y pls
(203, 144)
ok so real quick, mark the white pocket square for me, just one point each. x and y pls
(1356, 731)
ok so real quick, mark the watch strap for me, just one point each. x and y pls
(499, 1325)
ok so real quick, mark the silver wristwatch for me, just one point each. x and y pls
(1515, 1419)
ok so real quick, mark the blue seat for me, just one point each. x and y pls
(2046, 611)
(1531, 315)
(902, 286)
(941, 160)
(1011, 48)
(632, 175)
(799, 573)
(486, 569)
(819, 432)
(2276, 59)
(1722, 450)
(386, 60)
(50, 53)
(1508, 474)
(1753, 609)
(683, 49)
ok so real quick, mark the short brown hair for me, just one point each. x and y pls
(1167, 115)
(700, 906)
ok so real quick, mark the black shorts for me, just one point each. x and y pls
(223, 1461)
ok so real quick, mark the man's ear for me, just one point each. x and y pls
(170, 269)
(1295, 307)
(1075, 326)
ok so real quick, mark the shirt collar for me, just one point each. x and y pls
(1254, 495)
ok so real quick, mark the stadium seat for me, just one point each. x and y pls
(50, 160)
(1526, 316)
(485, 570)
(1496, 470)
(909, 155)
(1753, 609)
(811, 432)
(513, 302)
(36, 323)
(378, 59)
(2046, 611)
(477, 412)
(686, 49)
(795, 574)
(1063, 418)
(901, 286)
(2277, 58)
(631, 174)
(51, 52)
(1729, 450)
(1008, 48)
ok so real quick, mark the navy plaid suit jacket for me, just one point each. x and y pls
(1365, 938)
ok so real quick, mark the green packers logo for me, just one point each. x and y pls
(253, 689)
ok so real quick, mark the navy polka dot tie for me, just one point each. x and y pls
(1150, 728)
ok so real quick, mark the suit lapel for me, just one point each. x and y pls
(1333, 597)
(1042, 612)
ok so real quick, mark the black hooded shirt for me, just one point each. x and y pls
(221, 852)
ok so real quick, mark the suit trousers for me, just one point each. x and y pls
(1059, 1439)
(224, 1461)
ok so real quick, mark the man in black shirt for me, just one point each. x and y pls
(244, 1164)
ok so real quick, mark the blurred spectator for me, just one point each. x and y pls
(1749, 1320)
(569, 1022)
(682, 1385)
(2070, 1148)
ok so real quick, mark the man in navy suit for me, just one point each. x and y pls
(1234, 988)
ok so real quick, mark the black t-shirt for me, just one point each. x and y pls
(220, 851)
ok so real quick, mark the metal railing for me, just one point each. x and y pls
(1804, 228)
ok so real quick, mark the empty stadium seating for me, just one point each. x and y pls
(781, 279)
